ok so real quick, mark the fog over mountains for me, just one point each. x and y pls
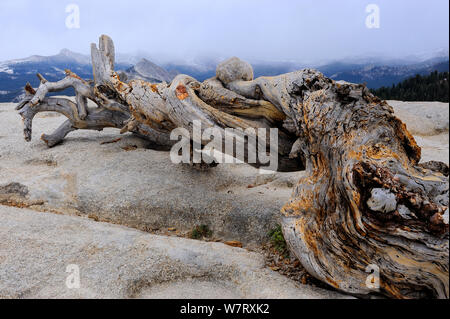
(375, 72)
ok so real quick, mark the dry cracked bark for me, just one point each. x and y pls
(365, 201)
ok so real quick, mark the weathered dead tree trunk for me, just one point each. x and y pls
(365, 203)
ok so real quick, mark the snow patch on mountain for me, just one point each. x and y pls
(6, 69)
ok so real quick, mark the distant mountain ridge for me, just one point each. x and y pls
(376, 75)
(14, 74)
(65, 55)
(150, 72)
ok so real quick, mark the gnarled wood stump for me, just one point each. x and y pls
(365, 203)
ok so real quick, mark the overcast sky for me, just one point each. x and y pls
(296, 30)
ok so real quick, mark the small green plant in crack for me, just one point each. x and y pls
(277, 240)
(200, 232)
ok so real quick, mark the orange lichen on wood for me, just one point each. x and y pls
(154, 88)
(120, 86)
(233, 243)
(29, 89)
(310, 236)
(19, 202)
(73, 75)
(181, 92)
(410, 144)
(380, 151)
(44, 139)
(297, 207)
(333, 283)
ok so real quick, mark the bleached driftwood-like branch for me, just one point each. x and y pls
(365, 202)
